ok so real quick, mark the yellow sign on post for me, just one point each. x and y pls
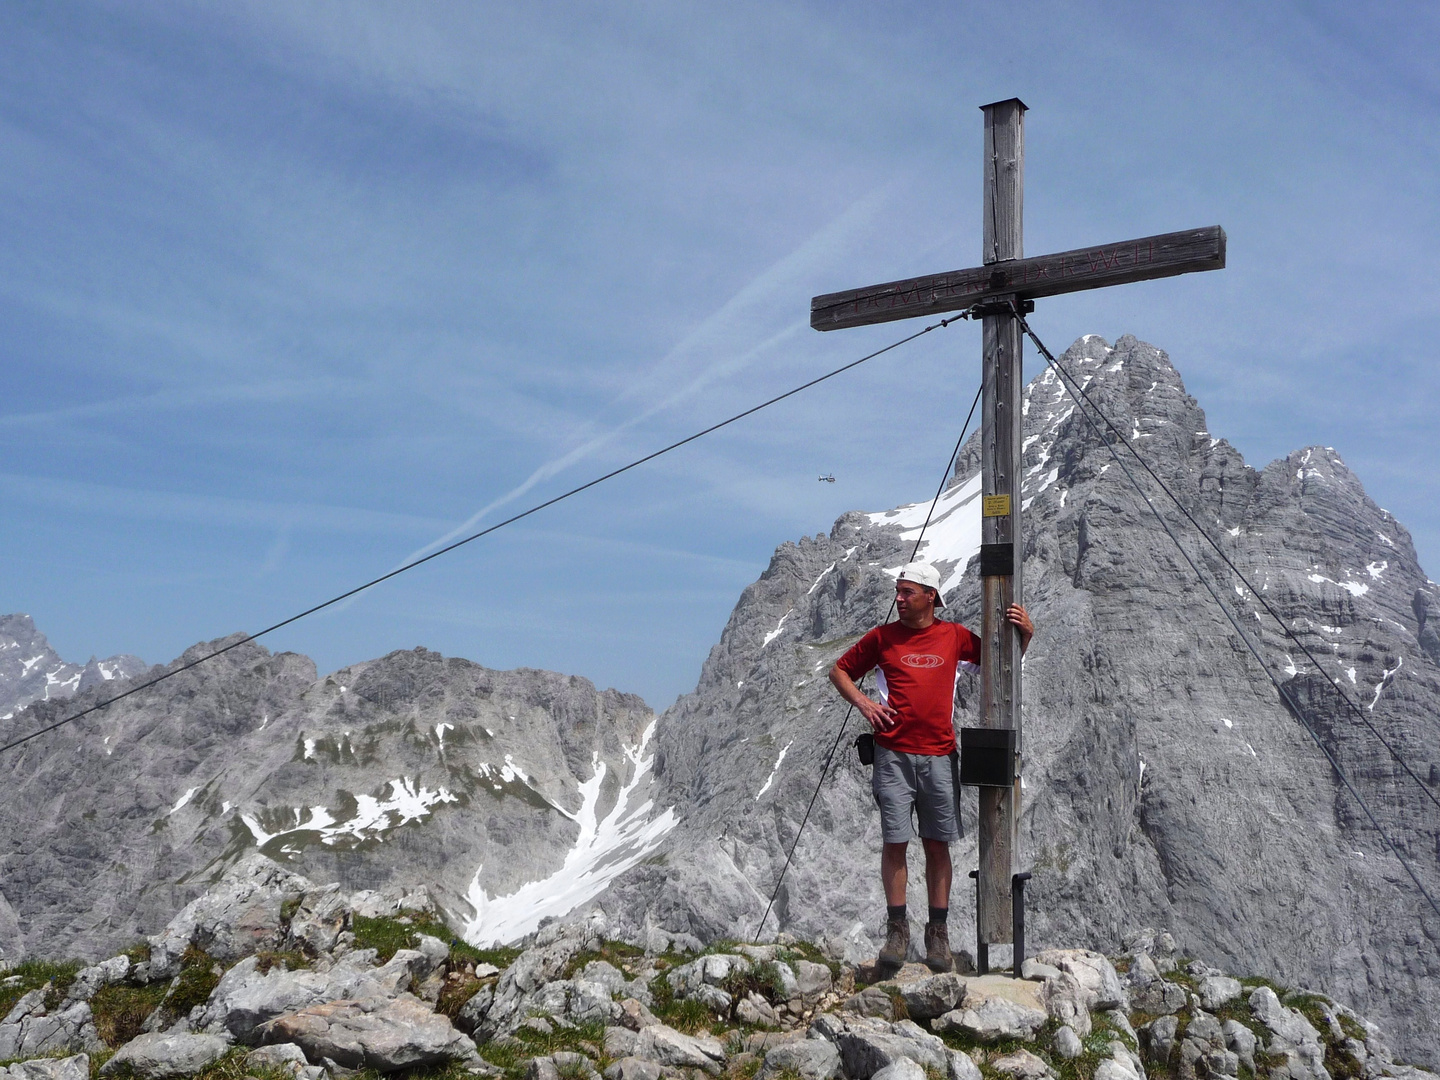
(995, 506)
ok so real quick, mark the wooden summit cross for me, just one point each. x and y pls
(1007, 279)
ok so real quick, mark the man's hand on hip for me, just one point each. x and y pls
(882, 717)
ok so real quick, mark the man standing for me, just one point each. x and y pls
(918, 659)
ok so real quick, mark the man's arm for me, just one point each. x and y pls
(881, 717)
(1020, 619)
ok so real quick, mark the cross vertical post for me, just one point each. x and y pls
(1006, 284)
(1000, 465)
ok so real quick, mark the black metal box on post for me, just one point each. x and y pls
(988, 756)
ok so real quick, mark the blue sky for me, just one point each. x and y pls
(288, 292)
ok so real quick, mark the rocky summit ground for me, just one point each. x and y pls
(269, 976)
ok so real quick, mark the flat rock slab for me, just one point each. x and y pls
(384, 1034)
(1020, 991)
(159, 1056)
(70, 1068)
(664, 1044)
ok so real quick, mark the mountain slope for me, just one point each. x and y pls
(511, 795)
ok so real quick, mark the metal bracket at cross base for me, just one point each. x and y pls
(1017, 899)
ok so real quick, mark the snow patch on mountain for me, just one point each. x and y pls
(605, 849)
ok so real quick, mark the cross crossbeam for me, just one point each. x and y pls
(1149, 257)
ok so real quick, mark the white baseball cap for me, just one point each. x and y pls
(923, 574)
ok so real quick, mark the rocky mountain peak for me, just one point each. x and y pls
(30, 670)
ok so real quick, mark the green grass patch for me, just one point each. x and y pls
(120, 1011)
(388, 935)
(456, 992)
(682, 1014)
(615, 953)
(34, 974)
(139, 953)
(290, 960)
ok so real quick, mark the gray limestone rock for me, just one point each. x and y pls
(1068, 1002)
(1292, 1036)
(664, 1044)
(867, 1045)
(904, 1069)
(1022, 1064)
(993, 1020)
(235, 918)
(1217, 990)
(633, 1068)
(1241, 1040)
(28, 1031)
(163, 1056)
(932, 997)
(245, 998)
(872, 1001)
(76, 1067)
(814, 980)
(812, 1059)
(386, 1034)
(1157, 1038)
(962, 1066)
(1067, 1043)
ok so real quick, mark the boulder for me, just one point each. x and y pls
(932, 997)
(1066, 1043)
(1241, 1040)
(321, 917)
(244, 999)
(162, 1055)
(1157, 1038)
(867, 1046)
(633, 1068)
(28, 1031)
(384, 1034)
(755, 1011)
(872, 1001)
(994, 1019)
(67, 1068)
(91, 979)
(1021, 1063)
(287, 1057)
(811, 1059)
(235, 918)
(532, 969)
(962, 1066)
(1067, 1001)
(1160, 998)
(664, 1044)
(904, 1069)
(1292, 1037)
(814, 980)
(1093, 971)
(1218, 990)
(635, 1015)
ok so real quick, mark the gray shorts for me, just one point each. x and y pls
(923, 781)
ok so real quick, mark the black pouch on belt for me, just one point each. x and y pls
(865, 747)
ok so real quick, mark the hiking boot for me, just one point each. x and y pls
(937, 947)
(897, 943)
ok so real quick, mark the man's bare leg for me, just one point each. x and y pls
(894, 876)
(937, 884)
(937, 872)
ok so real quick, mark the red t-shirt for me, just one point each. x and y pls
(918, 669)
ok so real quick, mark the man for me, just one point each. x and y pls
(918, 657)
